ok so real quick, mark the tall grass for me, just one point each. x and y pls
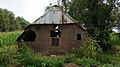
(8, 38)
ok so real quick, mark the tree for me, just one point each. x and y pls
(22, 22)
(6, 19)
(8, 22)
(96, 16)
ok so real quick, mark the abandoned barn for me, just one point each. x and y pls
(55, 32)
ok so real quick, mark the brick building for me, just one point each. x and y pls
(55, 32)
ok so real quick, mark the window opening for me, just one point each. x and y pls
(55, 33)
(78, 36)
(29, 36)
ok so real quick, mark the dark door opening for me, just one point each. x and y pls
(55, 41)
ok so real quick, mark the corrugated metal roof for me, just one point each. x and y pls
(54, 16)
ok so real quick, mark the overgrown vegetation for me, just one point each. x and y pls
(98, 17)
(89, 49)
(90, 54)
(7, 39)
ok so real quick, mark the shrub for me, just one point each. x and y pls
(108, 58)
(8, 56)
(115, 39)
(54, 62)
(106, 65)
(27, 58)
(87, 62)
(104, 58)
(116, 49)
(89, 49)
(69, 58)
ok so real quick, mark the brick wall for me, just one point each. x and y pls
(67, 41)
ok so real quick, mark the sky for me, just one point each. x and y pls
(28, 9)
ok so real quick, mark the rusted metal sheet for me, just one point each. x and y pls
(54, 16)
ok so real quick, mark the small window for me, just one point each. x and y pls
(78, 36)
(55, 41)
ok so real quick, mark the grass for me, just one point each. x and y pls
(8, 38)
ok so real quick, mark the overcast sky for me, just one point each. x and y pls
(29, 9)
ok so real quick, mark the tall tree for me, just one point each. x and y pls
(8, 22)
(96, 16)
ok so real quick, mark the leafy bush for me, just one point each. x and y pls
(11, 56)
(108, 58)
(8, 56)
(115, 39)
(87, 62)
(27, 58)
(89, 49)
(116, 49)
(69, 58)
(106, 65)
(104, 58)
(109, 65)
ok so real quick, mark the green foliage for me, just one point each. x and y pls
(24, 56)
(7, 39)
(22, 22)
(108, 58)
(87, 62)
(88, 55)
(116, 49)
(69, 58)
(97, 18)
(8, 22)
(114, 39)
(27, 58)
(104, 58)
(6, 19)
(89, 49)
(7, 56)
